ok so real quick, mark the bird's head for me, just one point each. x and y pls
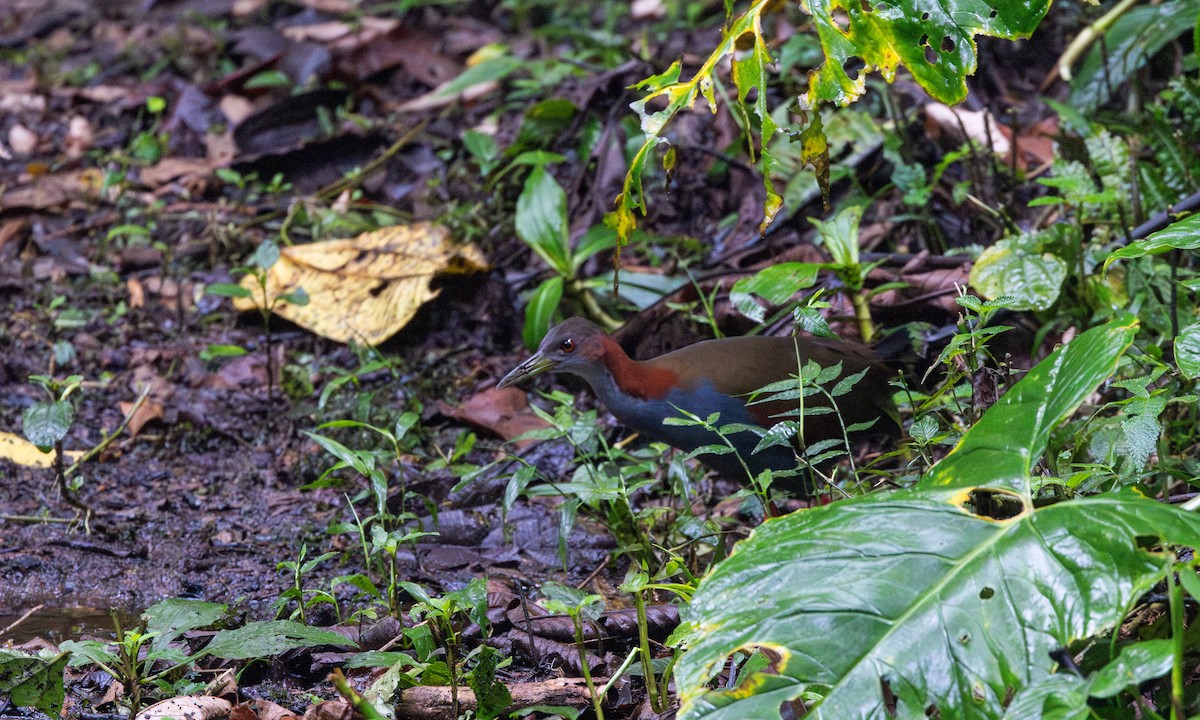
(576, 346)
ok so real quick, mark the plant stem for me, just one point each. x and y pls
(583, 666)
(1175, 594)
(657, 703)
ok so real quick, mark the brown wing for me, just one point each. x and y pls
(739, 366)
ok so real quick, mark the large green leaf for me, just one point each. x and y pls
(944, 608)
(1183, 235)
(170, 618)
(882, 34)
(914, 598)
(541, 219)
(999, 451)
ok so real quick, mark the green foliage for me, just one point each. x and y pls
(442, 620)
(265, 255)
(1020, 269)
(935, 42)
(579, 606)
(134, 658)
(47, 423)
(33, 680)
(542, 223)
(383, 533)
(996, 595)
(1128, 45)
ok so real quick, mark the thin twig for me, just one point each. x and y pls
(21, 619)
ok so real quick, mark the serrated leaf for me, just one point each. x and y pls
(1141, 436)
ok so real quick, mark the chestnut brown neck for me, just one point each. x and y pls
(637, 379)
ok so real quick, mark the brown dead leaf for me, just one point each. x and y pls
(337, 709)
(48, 191)
(22, 452)
(194, 707)
(343, 35)
(235, 108)
(267, 710)
(246, 8)
(10, 229)
(147, 411)
(503, 411)
(243, 711)
(137, 293)
(438, 98)
(366, 288)
(174, 168)
(332, 7)
(418, 53)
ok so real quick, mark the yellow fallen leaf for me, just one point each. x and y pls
(365, 288)
(22, 452)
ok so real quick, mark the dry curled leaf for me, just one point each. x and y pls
(366, 288)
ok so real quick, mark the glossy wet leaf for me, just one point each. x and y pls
(914, 593)
(1020, 271)
(541, 220)
(1183, 235)
(169, 618)
(1187, 351)
(540, 311)
(46, 423)
(1065, 696)
(776, 284)
(934, 40)
(999, 451)
(945, 608)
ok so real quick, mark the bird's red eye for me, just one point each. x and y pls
(567, 346)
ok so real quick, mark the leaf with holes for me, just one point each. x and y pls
(934, 40)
